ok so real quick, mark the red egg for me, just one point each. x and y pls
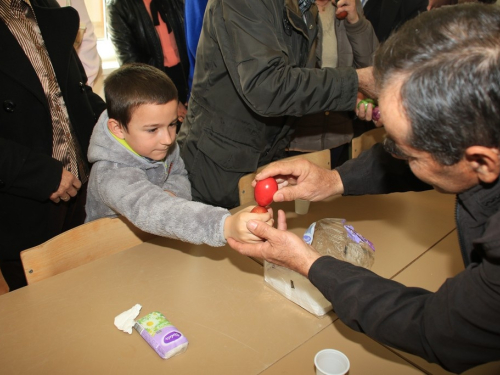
(259, 210)
(342, 15)
(264, 191)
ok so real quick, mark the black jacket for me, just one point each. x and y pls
(388, 15)
(458, 326)
(134, 35)
(28, 173)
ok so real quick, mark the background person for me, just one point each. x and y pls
(47, 114)
(440, 100)
(388, 15)
(350, 42)
(152, 32)
(86, 45)
(255, 70)
(194, 11)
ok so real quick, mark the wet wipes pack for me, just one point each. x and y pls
(161, 335)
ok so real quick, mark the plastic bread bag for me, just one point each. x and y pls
(331, 237)
(335, 238)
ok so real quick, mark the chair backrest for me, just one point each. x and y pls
(79, 246)
(245, 188)
(366, 140)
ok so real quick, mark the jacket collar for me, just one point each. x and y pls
(308, 28)
(481, 201)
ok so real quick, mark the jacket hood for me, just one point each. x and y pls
(104, 147)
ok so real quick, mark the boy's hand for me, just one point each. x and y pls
(280, 246)
(235, 225)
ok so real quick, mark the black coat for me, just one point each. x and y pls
(134, 35)
(28, 173)
(457, 326)
(387, 15)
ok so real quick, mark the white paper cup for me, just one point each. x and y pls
(301, 206)
(331, 362)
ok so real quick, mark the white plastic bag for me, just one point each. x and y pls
(329, 237)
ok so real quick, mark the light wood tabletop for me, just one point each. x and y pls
(216, 297)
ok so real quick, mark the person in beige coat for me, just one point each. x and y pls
(341, 43)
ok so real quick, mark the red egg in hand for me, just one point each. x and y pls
(259, 210)
(342, 15)
(264, 191)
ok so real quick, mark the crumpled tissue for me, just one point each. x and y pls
(126, 320)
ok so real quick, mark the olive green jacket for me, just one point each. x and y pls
(251, 79)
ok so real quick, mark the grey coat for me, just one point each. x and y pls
(355, 47)
(250, 79)
(124, 183)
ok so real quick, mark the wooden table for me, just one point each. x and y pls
(234, 322)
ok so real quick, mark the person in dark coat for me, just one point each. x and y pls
(152, 32)
(47, 114)
(255, 72)
(388, 15)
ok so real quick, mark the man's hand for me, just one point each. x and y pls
(348, 6)
(281, 247)
(181, 111)
(68, 187)
(299, 178)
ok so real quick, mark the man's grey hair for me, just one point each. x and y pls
(449, 60)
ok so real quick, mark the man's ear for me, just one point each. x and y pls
(116, 128)
(485, 161)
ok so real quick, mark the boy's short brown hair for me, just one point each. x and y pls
(133, 85)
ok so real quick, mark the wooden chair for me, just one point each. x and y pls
(320, 158)
(79, 246)
(4, 288)
(366, 141)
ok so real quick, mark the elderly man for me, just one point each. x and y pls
(439, 82)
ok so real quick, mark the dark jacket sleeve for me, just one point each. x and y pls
(376, 172)
(456, 326)
(266, 79)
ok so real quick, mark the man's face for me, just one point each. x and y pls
(152, 129)
(446, 179)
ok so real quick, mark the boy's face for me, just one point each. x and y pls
(151, 130)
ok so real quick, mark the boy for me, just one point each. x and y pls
(138, 172)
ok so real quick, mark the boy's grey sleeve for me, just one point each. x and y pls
(128, 192)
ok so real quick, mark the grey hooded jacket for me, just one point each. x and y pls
(124, 183)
